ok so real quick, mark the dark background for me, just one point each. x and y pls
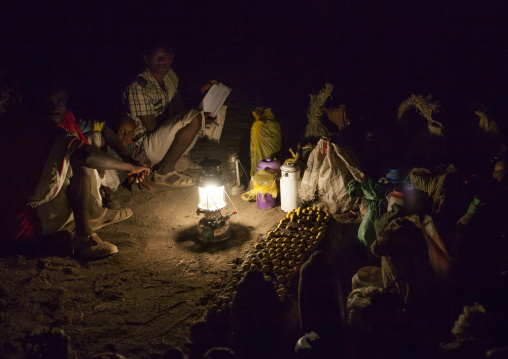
(376, 53)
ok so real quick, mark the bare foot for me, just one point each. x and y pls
(146, 183)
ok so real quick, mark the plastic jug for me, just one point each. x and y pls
(265, 185)
(271, 163)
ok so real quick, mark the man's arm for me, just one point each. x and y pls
(92, 157)
(148, 121)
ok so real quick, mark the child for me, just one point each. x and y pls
(125, 133)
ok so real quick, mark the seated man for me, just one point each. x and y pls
(68, 187)
(164, 129)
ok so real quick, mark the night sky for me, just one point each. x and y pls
(376, 53)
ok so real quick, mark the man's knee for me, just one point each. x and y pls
(81, 177)
(95, 138)
(196, 121)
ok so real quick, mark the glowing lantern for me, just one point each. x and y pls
(213, 227)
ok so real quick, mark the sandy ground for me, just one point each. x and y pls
(147, 297)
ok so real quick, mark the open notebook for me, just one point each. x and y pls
(214, 99)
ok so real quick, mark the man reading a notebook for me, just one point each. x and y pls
(164, 129)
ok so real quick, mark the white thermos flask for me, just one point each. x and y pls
(289, 180)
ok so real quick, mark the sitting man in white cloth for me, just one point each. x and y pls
(164, 129)
(67, 194)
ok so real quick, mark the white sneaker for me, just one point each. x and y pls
(91, 246)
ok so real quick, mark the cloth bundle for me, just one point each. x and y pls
(329, 170)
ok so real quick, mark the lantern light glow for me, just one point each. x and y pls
(214, 226)
(211, 198)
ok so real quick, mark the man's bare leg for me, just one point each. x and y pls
(183, 139)
(79, 196)
(87, 243)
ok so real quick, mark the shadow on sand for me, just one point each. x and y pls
(189, 239)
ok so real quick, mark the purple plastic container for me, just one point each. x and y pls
(270, 163)
(265, 201)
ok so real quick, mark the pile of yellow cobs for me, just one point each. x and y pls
(281, 253)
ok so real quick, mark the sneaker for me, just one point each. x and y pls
(91, 246)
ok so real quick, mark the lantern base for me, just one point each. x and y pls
(235, 189)
(213, 227)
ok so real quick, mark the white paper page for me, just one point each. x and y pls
(214, 98)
